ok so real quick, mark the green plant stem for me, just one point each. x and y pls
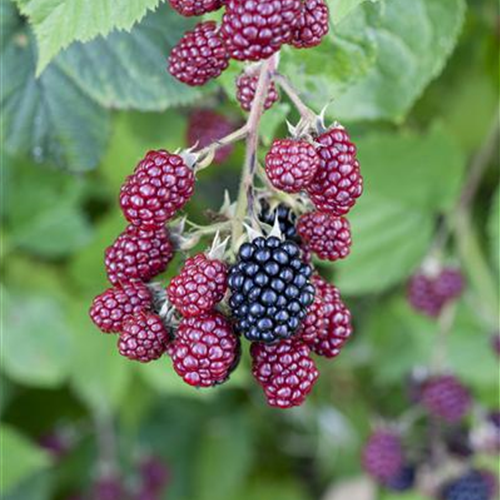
(305, 112)
(475, 264)
(106, 440)
(244, 203)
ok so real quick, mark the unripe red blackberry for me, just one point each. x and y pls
(256, 29)
(495, 343)
(108, 488)
(154, 475)
(138, 254)
(315, 325)
(383, 455)
(160, 186)
(421, 295)
(199, 286)
(445, 397)
(199, 56)
(473, 485)
(326, 235)
(143, 337)
(338, 328)
(246, 86)
(285, 371)
(449, 284)
(338, 182)
(110, 309)
(205, 127)
(205, 350)
(313, 24)
(189, 8)
(291, 164)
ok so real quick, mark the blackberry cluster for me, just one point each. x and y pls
(246, 86)
(270, 289)
(287, 220)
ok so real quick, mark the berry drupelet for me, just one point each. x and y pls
(110, 309)
(256, 29)
(270, 289)
(383, 455)
(287, 219)
(285, 371)
(138, 254)
(313, 24)
(246, 86)
(143, 337)
(338, 182)
(205, 127)
(189, 8)
(445, 397)
(160, 186)
(291, 164)
(199, 56)
(327, 236)
(205, 350)
(200, 285)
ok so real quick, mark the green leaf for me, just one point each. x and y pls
(349, 50)
(383, 233)
(57, 23)
(49, 118)
(23, 457)
(37, 344)
(409, 179)
(35, 222)
(341, 8)
(222, 441)
(99, 375)
(414, 41)
(36, 487)
(128, 70)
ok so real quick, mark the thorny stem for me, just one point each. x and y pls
(245, 194)
(305, 112)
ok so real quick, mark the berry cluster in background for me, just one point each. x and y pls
(258, 280)
(436, 445)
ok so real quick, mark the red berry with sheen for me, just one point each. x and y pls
(313, 24)
(330, 339)
(338, 182)
(205, 127)
(200, 285)
(315, 325)
(189, 8)
(291, 164)
(285, 371)
(445, 397)
(205, 350)
(246, 86)
(199, 56)
(160, 186)
(326, 235)
(143, 338)
(110, 309)
(138, 254)
(256, 29)
(383, 455)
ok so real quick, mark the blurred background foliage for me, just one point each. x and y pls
(85, 94)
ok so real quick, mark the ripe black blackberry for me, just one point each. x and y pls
(287, 219)
(471, 486)
(270, 289)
